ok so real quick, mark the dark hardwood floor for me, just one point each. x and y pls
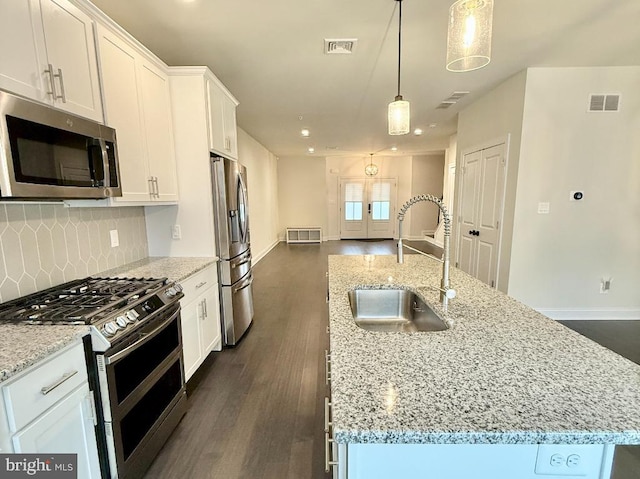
(256, 410)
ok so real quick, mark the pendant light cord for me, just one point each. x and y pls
(399, 43)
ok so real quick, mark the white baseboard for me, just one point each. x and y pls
(331, 238)
(264, 252)
(591, 314)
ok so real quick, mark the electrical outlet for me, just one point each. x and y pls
(568, 460)
(115, 240)
(176, 232)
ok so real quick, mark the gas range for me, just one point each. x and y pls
(135, 363)
(112, 307)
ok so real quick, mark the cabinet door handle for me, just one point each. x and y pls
(204, 309)
(227, 143)
(157, 188)
(63, 95)
(47, 389)
(52, 83)
(151, 190)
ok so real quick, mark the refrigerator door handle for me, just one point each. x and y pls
(246, 285)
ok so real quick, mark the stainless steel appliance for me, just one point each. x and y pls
(47, 153)
(135, 362)
(231, 219)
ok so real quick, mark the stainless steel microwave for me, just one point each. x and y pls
(49, 154)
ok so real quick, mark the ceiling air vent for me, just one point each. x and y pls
(451, 100)
(604, 103)
(339, 46)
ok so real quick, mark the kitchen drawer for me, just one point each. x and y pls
(41, 386)
(198, 282)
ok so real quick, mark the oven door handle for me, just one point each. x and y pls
(147, 337)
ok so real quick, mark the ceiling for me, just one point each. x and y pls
(270, 55)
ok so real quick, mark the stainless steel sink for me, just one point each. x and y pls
(393, 310)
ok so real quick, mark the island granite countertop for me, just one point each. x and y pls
(23, 345)
(503, 374)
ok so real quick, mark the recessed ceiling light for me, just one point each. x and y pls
(311, 149)
(305, 132)
(433, 125)
(394, 148)
(417, 131)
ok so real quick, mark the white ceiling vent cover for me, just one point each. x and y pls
(339, 46)
(599, 102)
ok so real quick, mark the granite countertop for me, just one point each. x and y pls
(174, 268)
(23, 345)
(503, 374)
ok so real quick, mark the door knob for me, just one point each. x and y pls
(477, 233)
(471, 232)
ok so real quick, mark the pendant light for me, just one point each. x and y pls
(469, 36)
(371, 169)
(399, 111)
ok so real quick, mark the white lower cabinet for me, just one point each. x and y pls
(201, 332)
(50, 410)
(478, 461)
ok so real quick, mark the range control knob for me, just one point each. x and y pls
(178, 287)
(109, 329)
(121, 322)
(132, 315)
(171, 292)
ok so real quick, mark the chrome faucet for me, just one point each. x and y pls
(446, 292)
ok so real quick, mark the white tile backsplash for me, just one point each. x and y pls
(45, 245)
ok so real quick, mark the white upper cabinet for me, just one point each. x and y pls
(223, 136)
(138, 105)
(47, 53)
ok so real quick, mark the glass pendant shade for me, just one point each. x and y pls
(399, 117)
(371, 170)
(469, 37)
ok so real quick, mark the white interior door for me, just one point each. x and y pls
(480, 212)
(469, 191)
(367, 208)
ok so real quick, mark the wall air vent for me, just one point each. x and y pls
(339, 46)
(601, 102)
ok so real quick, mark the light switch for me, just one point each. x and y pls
(543, 208)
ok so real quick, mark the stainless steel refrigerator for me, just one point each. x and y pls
(231, 219)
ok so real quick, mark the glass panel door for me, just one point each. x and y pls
(368, 208)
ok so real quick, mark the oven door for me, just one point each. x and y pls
(146, 393)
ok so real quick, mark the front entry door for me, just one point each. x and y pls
(481, 198)
(368, 208)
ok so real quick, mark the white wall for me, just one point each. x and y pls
(262, 183)
(301, 193)
(494, 116)
(558, 259)
(427, 173)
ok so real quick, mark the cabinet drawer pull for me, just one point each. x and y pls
(328, 463)
(47, 389)
(200, 285)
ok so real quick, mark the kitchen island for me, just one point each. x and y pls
(501, 381)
